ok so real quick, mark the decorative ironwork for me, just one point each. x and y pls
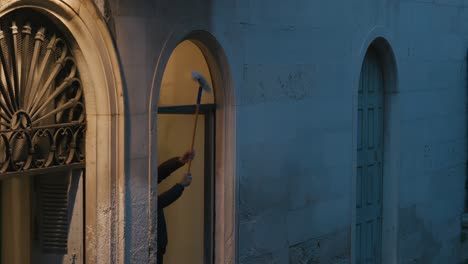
(42, 111)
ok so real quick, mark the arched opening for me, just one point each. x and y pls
(98, 235)
(219, 146)
(43, 128)
(189, 219)
(370, 160)
(374, 231)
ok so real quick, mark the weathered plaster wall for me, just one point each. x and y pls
(432, 51)
(291, 67)
(294, 67)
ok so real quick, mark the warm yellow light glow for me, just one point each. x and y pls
(177, 87)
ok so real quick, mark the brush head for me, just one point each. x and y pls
(196, 76)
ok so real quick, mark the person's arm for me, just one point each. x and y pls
(171, 165)
(168, 167)
(170, 196)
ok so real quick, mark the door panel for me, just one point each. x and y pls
(369, 168)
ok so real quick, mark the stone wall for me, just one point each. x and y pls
(294, 66)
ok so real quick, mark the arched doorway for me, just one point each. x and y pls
(370, 144)
(92, 53)
(43, 128)
(190, 219)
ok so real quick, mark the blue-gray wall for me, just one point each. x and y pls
(295, 66)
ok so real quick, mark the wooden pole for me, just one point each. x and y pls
(197, 110)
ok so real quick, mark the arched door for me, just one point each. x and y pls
(42, 140)
(369, 161)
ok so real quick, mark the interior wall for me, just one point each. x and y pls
(178, 87)
(184, 218)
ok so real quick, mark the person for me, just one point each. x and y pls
(167, 198)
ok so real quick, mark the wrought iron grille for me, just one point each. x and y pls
(42, 110)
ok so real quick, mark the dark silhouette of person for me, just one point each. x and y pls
(170, 196)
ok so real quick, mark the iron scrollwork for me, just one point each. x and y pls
(42, 110)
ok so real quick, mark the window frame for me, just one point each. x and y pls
(209, 111)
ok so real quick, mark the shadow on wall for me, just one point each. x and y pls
(415, 224)
(464, 231)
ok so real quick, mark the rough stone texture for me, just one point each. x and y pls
(322, 250)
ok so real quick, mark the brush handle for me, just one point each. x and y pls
(197, 110)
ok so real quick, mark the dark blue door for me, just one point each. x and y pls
(369, 161)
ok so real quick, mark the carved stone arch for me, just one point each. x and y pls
(97, 63)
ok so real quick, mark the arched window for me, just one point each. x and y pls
(42, 137)
(190, 219)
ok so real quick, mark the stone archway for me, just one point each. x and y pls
(97, 61)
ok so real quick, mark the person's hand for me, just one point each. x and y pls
(186, 180)
(189, 155)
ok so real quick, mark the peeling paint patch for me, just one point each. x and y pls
(276, 83)
(292, 85)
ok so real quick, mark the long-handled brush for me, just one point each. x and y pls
(203, 85)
